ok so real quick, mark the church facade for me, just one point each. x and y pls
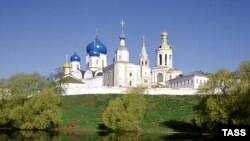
(121, 73)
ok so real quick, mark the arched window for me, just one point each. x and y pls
(90, 62)
(130, 74)
(160, 59)
(99, 74)
(146, 62)
(159, 77)
(166, 59)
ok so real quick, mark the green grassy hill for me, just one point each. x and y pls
(164, 113)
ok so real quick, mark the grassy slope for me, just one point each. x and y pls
(85, 111)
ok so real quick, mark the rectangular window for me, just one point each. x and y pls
(130, 83)
(130, 74)
(166, 59)
(160, 56)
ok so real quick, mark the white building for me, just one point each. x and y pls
(192, 80)
(163, 70)
(96, 60)
(122, 73)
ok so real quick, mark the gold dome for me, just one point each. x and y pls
(164, 33)
(66, 65)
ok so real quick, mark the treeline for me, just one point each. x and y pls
(28, 101)
(225, 99)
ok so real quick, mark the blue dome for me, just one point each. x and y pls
(97, 45)
(75, 57)
(94, 52)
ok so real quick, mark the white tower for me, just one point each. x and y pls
(145, 70)
(164, 53)
(143, 59)
(122, 54)
(75, 66)
(74, 62)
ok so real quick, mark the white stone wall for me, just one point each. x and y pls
(103, 60)
(76, 89)
(123, 74)
(145, 73)
(131, 74)
(94, 82)
(108, 75)
(122, 55)
(74, 65)
(94, 62)
(119, 74)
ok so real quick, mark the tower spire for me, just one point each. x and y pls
(66, 58)
(96, 32)
(143, 41)
(143, 54)
(122, 37)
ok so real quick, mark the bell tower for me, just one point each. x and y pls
(164, 53)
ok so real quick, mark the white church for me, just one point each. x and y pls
(99, 77)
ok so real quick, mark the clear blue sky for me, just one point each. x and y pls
(205, 34)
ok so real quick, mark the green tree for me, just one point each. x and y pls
(41, 111)
(29, 102)
(56, 78)
(225, 98)
(127, 112)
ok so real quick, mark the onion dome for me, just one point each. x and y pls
(96, 45)
(94, 52)
(75, 57)
(66, 65)
(164, 35)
